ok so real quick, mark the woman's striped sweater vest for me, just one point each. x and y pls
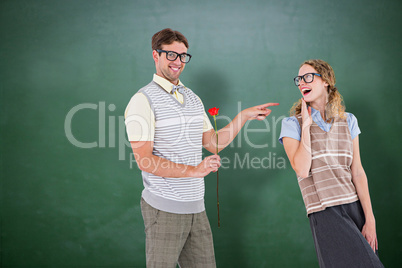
(330, 179)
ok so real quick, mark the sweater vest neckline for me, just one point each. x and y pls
(172, 97)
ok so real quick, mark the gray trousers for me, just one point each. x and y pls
(338, 238)
(171, 239)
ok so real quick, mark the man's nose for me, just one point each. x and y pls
(177, 61)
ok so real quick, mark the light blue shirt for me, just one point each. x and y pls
(291, 127)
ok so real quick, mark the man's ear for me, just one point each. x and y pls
(155, 55)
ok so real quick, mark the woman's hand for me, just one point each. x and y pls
(306, 114)
(369, 233)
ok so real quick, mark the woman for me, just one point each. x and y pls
(322, 144)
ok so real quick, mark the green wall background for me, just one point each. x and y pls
(63, 205)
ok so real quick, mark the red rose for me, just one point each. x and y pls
(213, 111)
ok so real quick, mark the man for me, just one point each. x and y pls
(167, 127)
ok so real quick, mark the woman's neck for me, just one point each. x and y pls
(320, 105)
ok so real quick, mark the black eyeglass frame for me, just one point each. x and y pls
(303, 77)
(177, 55)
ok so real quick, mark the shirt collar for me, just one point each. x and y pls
(315, 114)
(165, 84)
(314, 111)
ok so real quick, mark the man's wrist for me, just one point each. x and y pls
(189, 171)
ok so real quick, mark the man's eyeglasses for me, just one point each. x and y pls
(172, 56)
(308, 78)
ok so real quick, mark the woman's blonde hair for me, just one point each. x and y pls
(335, 106)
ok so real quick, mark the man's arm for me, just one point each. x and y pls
(229, 132)
(162, 167)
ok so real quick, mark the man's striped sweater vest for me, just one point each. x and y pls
(178, 138)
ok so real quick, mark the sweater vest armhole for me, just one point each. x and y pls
(144, 91)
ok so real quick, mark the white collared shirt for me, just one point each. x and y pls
(141, 114)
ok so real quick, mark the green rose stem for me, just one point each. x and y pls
(217, 175)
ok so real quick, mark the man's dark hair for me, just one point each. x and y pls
(166, 37)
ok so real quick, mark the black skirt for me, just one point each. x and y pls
(338, 239)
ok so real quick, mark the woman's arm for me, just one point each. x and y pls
(299, 152)
(359, 179)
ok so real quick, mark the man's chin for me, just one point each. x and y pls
(174, 78)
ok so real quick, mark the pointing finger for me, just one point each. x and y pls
(267, 105)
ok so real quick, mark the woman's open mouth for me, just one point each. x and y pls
(306, 91)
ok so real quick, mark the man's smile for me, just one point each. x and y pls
(175, 68)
